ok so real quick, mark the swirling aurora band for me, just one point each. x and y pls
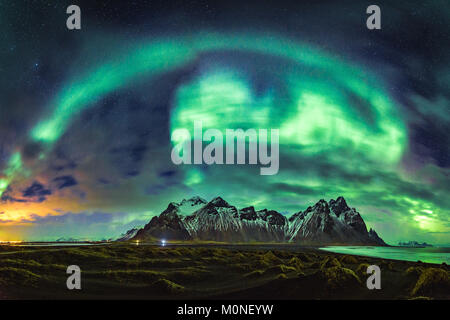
(315, 115)
(160, 56)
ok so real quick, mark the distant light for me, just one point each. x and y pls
(163, 242)
(10, 241)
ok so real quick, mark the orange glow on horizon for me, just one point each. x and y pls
(10, 241)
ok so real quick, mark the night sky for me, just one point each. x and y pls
(86, 116)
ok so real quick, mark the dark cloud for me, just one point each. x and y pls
(7, 196)
(65, 182)
(36, 190)
(103, 181)
(168, 174)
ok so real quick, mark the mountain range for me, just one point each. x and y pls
(414, 244)
(325, 223)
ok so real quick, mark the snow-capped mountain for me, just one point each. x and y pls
(330, 222)
(219, 221)
(169, 224)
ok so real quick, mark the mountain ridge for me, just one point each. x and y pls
(332, 222)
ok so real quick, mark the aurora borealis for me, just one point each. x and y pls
(86, 116)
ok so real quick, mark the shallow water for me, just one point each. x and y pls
(429, 254)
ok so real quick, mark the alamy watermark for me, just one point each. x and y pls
(236, 142)
(374, 281)
(73, 22)
(74, 280)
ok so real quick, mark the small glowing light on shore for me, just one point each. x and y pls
(137, 242)
(163, 242)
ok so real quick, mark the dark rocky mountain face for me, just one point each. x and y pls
(374, 236)
(168, 226)
(248, 213)
(332, 222)
(220, 221)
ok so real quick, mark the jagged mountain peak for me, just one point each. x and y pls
(273, 217)
(193, 201)
(375, 237)
(219, 202)
(185, 207)
(339, 205)
(248, 213)
(172, 207)
(299, 215)
(320, 207)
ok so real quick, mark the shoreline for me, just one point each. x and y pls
(250, 246)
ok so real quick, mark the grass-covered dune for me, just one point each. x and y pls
(121, 271)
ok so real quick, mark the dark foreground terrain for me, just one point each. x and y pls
(130, 271)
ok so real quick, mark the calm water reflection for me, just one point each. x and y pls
(430, 255)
